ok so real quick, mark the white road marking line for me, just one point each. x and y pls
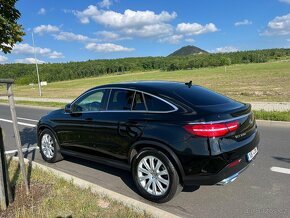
(21, 118)
(280, 170)
(20, 123)
(23, 150)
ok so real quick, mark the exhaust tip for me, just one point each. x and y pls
(228, 180)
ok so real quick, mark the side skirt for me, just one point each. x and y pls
(94, 158)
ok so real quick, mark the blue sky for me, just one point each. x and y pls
(69, 30)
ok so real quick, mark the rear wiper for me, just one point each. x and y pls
(189, 84)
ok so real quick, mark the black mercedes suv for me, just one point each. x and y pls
(169, 134)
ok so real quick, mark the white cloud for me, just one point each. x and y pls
(130, 23)
(243, 22)
(111, 36)
(3, 59)
(288, 40)
(174, 39)
(26, 49)
(226, 49)
(107, 47)
(285, 1)
(41, 11)
(28, 61)
(68, 36)
(45, 29)
(105, 4)
(195, 28)
(55, 55)
(108, 35)
(278, 26)
(128, 19)
(86, 14)
(189, 40)
(154, 30)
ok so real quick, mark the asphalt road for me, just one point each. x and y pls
(258, 192)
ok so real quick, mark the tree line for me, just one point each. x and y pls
(51, 72)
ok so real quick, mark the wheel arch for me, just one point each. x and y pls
(43, 127)
(147, 145)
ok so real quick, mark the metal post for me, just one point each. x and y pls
(5, 188)
(3, 202)
(17, 135)
(36, 65)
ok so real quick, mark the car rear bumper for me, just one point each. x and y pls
(230, 179)
(228, 173)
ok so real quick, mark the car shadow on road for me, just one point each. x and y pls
(287, 160)
(28, 140)
(124, 175)
(28, 137)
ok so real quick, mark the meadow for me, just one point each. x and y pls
(268, 81)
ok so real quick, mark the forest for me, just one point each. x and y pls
(51, 72)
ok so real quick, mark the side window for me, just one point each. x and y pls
(94, 101)
(120, 99)
(139, 104)
(155, 104)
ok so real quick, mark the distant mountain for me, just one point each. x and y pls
(188, 50)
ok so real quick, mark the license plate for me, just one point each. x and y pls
(252, 154)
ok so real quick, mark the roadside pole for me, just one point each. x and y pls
(17, 135)
(3, 199)
(36, 65)
(9, 83)
(5, 187)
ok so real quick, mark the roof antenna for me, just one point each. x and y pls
(189, 84)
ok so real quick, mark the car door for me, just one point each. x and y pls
(78, 130)
(120, 125)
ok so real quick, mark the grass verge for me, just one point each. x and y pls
(54, 197)
(37, 103)
(272, 115)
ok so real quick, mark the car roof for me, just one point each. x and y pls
(154, 87)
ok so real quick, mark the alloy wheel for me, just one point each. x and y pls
(153, 176)
(47, 146)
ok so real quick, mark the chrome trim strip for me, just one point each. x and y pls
(144, 101)
(221, 121)
(125, 111)
(133, 101)
(108, 99)
(135, 90)
(231, 178)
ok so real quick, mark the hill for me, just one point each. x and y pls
(188, 50)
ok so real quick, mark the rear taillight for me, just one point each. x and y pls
(212, 130)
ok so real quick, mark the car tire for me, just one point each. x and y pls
(160, 183)
(49, 147)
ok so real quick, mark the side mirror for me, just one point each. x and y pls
(67, 108)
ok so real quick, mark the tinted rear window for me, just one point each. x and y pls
(199, 96)
(154, 104)
(120, 99)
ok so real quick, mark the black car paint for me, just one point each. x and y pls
(118, 136)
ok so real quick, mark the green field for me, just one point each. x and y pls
(246, 82)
